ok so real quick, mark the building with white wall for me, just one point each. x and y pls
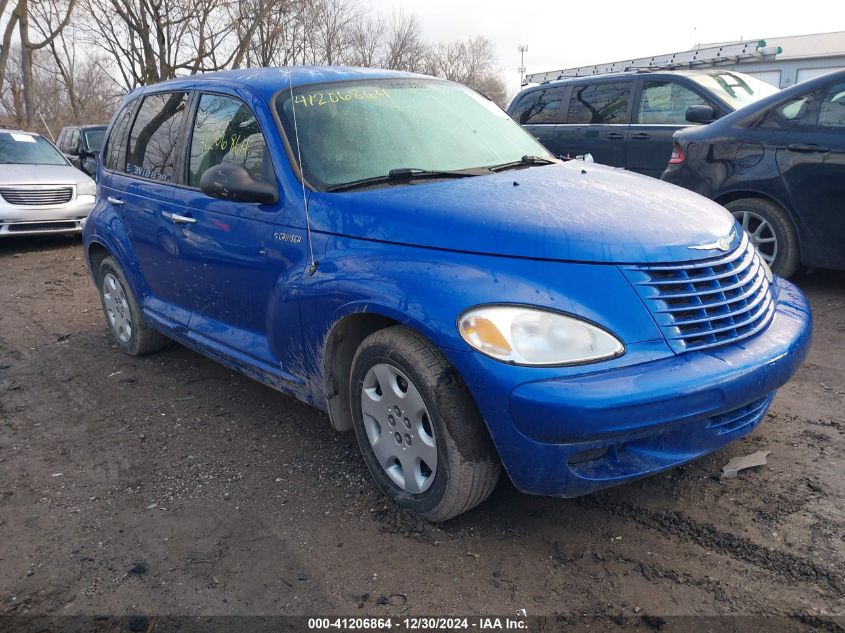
(803, 57)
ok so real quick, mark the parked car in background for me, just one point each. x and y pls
(81, 145)
(779, 167)
(395, 250)
(627, 119)
(40, 191)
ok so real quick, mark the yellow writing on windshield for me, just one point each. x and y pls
(316, 99)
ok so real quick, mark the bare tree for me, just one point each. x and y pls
(471, 62)
(154, 40)
(74, 57)
(20, 18)
(405, 48)
(366, 41)
(8, 32)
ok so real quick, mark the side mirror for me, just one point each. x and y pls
(228, 181)
(700, 114)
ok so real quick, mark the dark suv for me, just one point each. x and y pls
(81, 144)
(628, 119)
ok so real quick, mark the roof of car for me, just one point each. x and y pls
(268, 81)
(634, 73)
(92, 126)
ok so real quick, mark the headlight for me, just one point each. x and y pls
(528, 336)
(86, 188)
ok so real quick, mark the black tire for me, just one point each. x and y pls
(468, 467)
(787, 258)
(142, 339)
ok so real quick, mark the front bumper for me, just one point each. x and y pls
(36, 220)
(573, 435)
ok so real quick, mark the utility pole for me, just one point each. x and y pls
(521, 48)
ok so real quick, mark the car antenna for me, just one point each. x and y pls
(314, 263)
(46, 126)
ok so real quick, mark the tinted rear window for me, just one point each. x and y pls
(539, 106)
(599, 103)
(155, 135)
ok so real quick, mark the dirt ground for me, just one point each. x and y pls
(171, 485)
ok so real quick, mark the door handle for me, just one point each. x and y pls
(115, 201)
(615, 136)
(808, 148)
(179, 219)
(640, 136)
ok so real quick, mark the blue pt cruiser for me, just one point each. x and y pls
(395, 250)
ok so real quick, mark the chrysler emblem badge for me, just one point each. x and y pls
(723, 244)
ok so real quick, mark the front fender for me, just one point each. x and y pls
(427, 290)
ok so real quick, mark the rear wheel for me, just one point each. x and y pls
(771, 231)
(123, 314)
(418, 428)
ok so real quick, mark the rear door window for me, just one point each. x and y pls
(154, 139)
(226, 131)
(666, 103)
(832, 111)
(605, 102)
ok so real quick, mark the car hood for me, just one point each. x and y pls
(40, 175)
(574, 211)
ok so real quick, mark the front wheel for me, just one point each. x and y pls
(771, 231)
(418, 428)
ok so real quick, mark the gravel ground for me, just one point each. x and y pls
(171, 485)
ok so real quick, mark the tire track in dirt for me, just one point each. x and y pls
(675, 524)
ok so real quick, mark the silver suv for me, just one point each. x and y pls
(40, 191)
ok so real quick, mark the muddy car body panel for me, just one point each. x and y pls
(282, 292)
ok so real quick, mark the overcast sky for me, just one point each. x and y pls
(566, 33)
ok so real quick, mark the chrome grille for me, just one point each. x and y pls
(709, 302)
(36, 197)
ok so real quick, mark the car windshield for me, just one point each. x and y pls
(94, 138)
(27, 149)
(735, 89)
(353, 131)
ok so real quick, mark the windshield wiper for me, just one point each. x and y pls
(525, 161)
(403, 174)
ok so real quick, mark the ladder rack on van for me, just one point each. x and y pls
(711, 56)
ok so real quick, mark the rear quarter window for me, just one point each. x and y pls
(832, 111)
(114, 157)
(539, 106)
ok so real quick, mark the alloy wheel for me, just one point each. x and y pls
(117, 308)
(760, 232)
